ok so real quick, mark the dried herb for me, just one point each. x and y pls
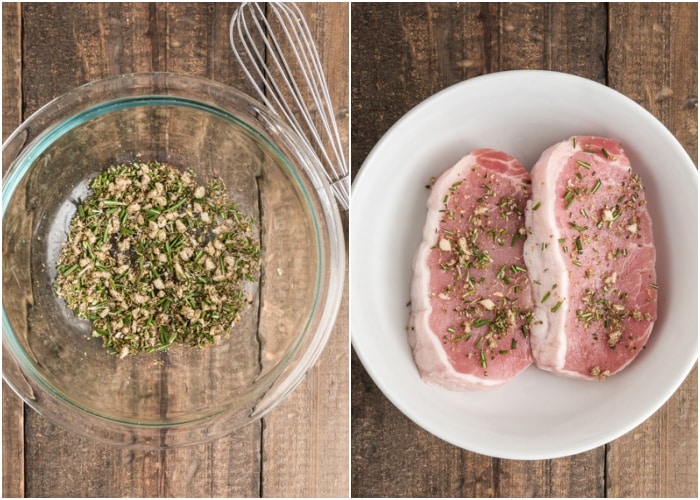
(152, 259)
(465, 252)
(597, 185)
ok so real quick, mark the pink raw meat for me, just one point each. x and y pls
(590, 255)
(470, 295)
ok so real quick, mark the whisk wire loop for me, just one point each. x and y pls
(296, 99)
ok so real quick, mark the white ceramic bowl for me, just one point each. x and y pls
(537, 415)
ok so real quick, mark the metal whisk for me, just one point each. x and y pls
(295, 85)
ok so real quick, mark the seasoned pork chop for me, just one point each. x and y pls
(590, 255)
(470, 295)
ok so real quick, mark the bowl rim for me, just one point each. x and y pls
(61, 116)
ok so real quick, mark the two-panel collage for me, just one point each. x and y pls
(349, 250)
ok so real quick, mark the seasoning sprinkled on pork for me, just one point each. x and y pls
(591, 258)
(470, 295)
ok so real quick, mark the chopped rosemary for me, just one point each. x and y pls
(501, 272)
(465, 336)
(65, 271)
(537, 205)
(570, 195)
(467, 245)
(516, 236)
(583, 164)
(161, 259)
(479, 322)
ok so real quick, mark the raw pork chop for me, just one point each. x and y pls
(590, 256)
(470, 295)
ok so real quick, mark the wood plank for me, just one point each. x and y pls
(402, 54)
(312, 461)
(669, 35)
(12, 443)
(580, 475)
(568, 37)
(61, 464)
(12, 405)
(198, 43)
(662, 453)
(73, 45)
(12, 68)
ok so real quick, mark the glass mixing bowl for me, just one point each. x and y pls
(185, 395)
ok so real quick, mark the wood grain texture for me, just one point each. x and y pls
(550, 36)
(407, 52)
(293, 464)
(12, 405)
(61, 464)
(663, 77)
(11, 68)
(12, 443)
(57, 48)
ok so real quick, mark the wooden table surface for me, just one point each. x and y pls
(301, 448)
(403, 53)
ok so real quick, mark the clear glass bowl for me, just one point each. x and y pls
(186, 395)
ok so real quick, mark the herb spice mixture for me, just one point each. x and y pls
(599, 212)
(591, 256)
(467, 246)
(152, 258)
